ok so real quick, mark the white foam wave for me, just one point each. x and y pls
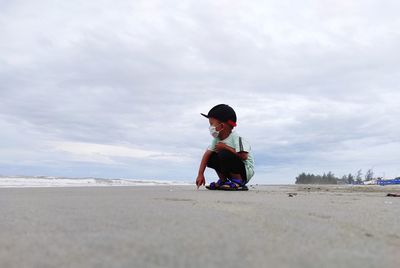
(41, 181)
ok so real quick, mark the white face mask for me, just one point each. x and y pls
(213, 131)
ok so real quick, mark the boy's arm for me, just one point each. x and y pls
(222, 146)
(203, 164)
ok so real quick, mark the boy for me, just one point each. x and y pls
(229, 154)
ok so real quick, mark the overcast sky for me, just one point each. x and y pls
(114, 88)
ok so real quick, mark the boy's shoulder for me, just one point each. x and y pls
(235, 135)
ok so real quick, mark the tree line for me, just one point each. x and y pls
(330, 178)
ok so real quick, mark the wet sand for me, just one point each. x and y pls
(179, 226)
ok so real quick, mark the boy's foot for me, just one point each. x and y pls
(233, 185)
(216, 185)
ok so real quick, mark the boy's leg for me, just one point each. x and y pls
(214, 163)
(232, 166)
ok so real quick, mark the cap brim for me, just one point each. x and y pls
(206, 116)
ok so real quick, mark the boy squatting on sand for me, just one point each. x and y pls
(229, 154)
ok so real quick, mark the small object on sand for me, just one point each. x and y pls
(292, 194)
(393, 195)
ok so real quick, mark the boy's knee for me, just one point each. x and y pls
(225, 155)
(211, 164)
(213, 161)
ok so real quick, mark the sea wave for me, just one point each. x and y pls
(44, 181)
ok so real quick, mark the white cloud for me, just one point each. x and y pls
(102, 153)
(315, 84)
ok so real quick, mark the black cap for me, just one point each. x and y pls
(223, 113)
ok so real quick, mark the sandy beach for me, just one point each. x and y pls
(179, 226)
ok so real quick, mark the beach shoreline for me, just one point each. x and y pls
(180, 226)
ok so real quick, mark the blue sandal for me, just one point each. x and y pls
(233, 185)
(215, 185)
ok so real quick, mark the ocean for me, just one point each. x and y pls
(44, 181)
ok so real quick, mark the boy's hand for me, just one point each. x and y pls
(243, 155)
(201, 180)
(220, 146)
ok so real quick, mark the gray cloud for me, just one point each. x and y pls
(314, 86)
